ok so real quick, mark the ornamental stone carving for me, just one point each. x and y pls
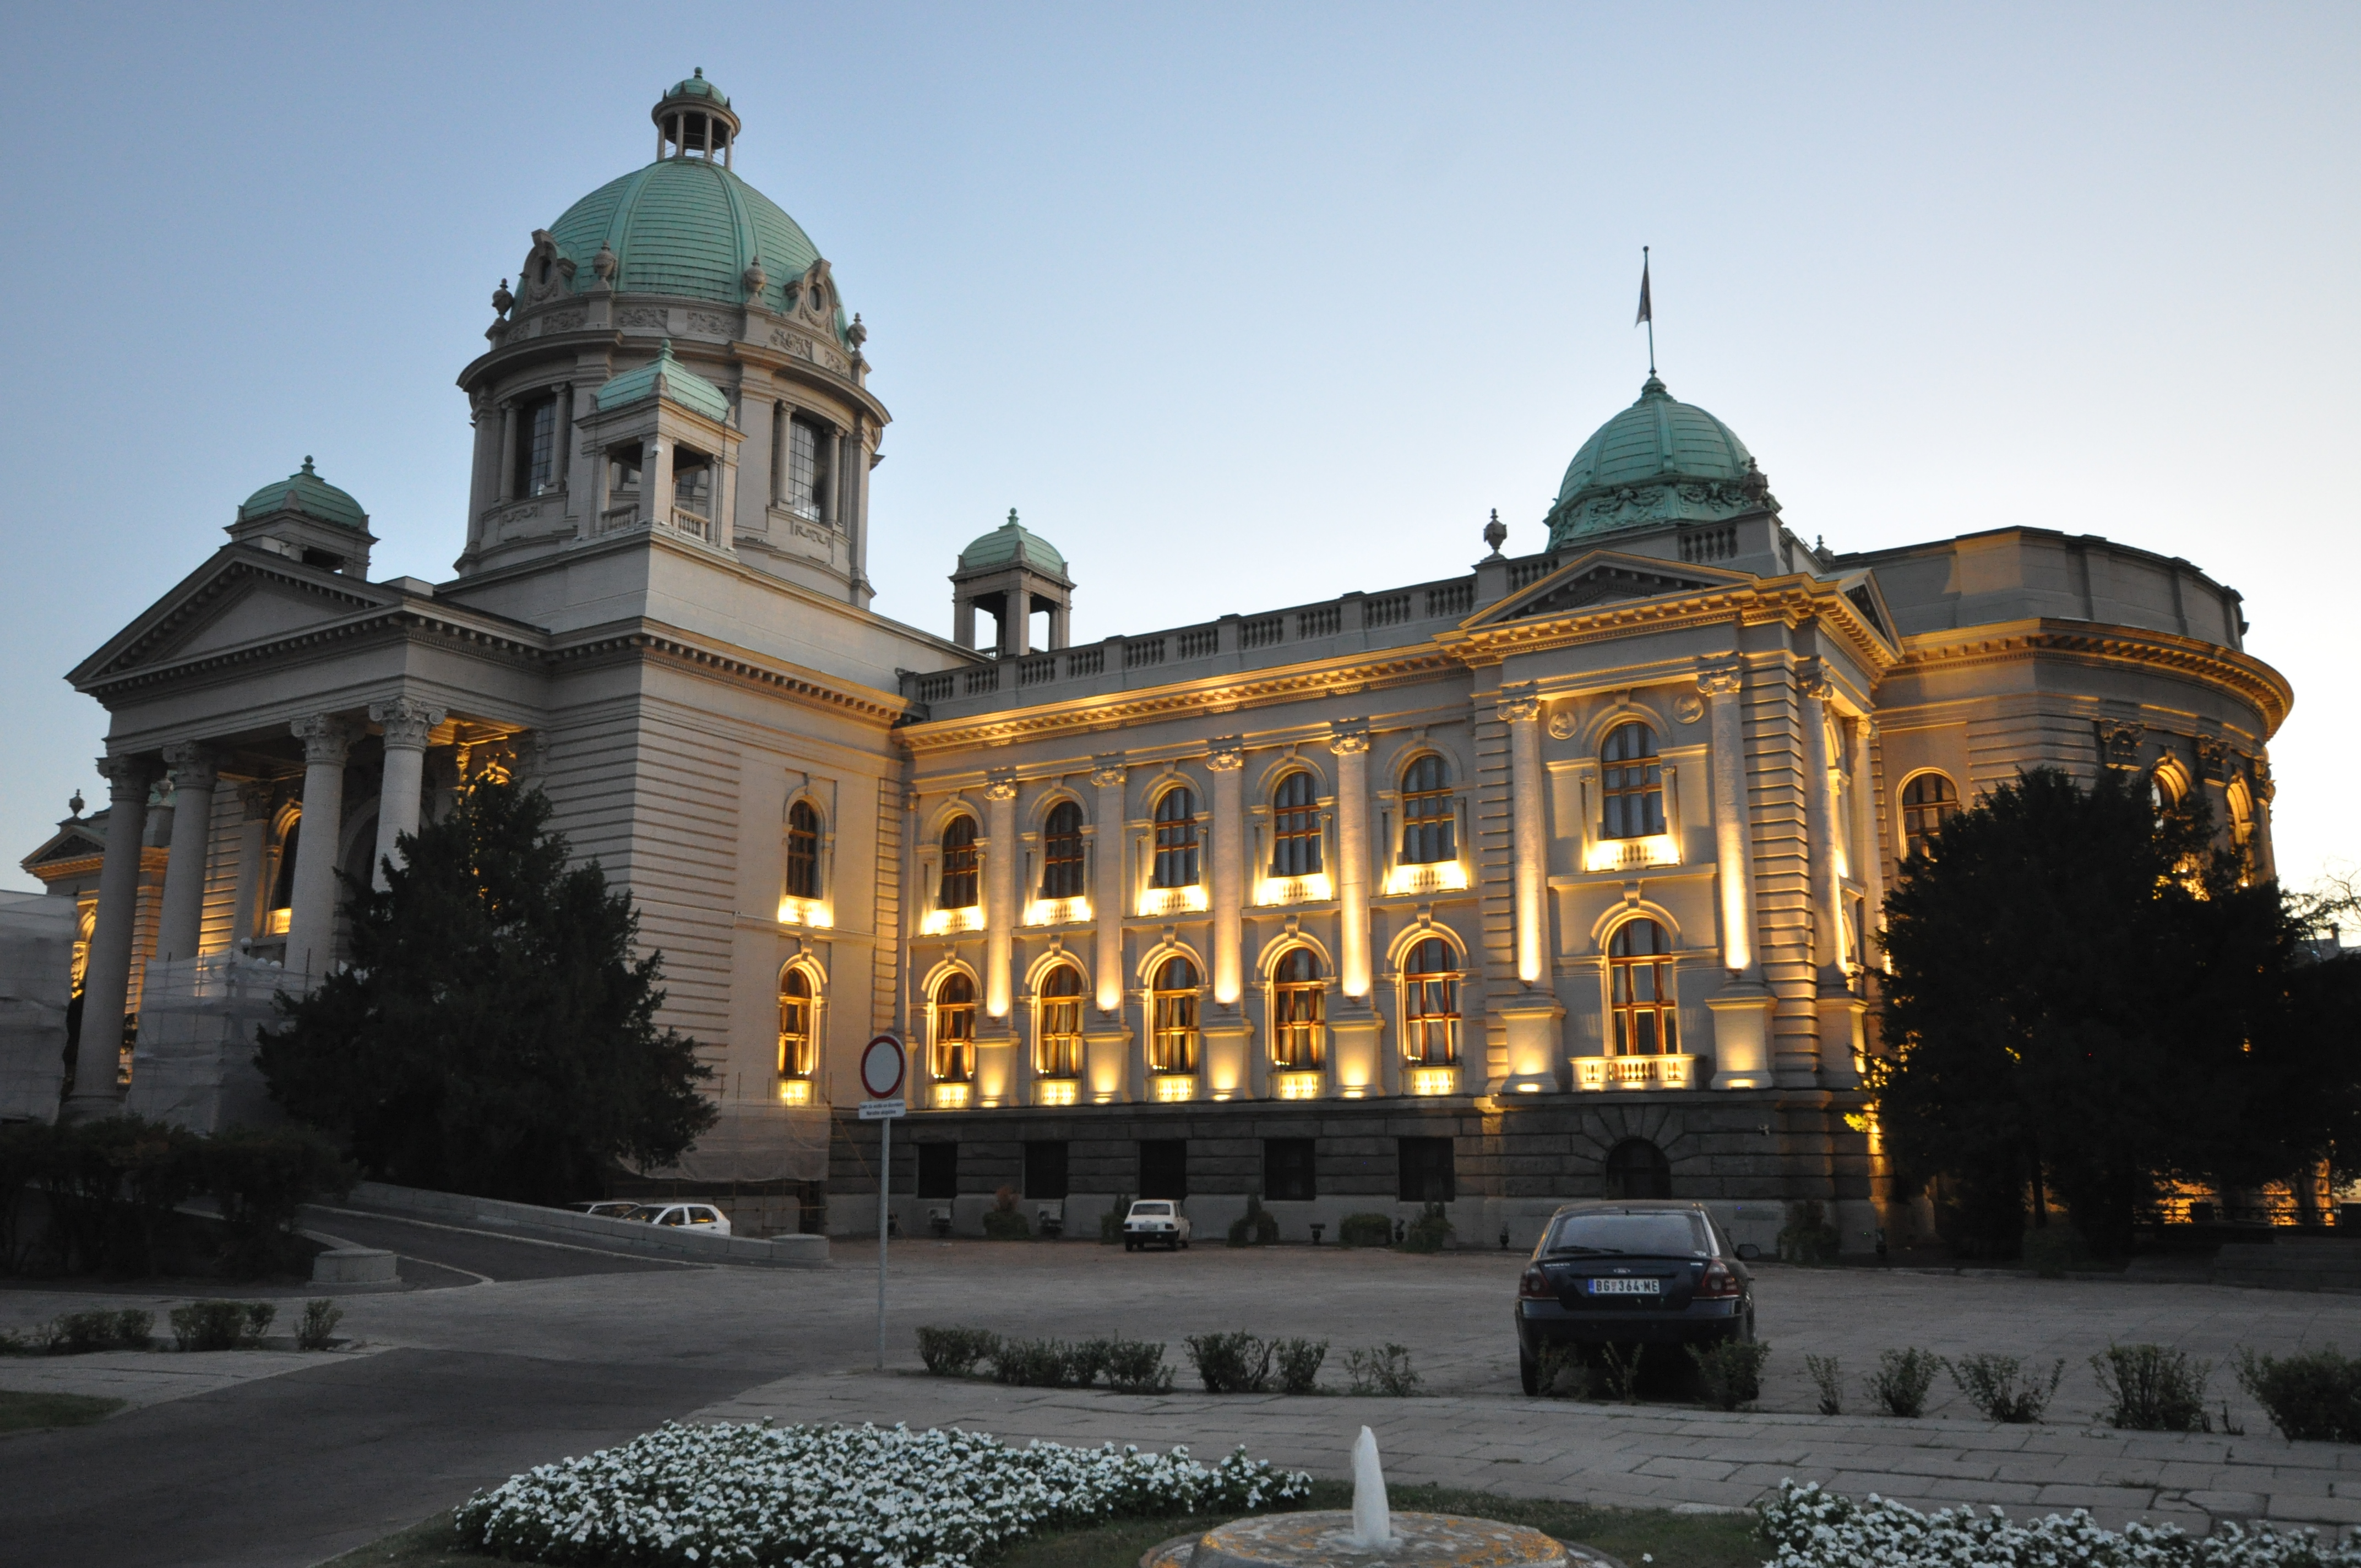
(2212, 759)
(2119, 742)
(1518, 705)
(127, 778)
(1108, 771)
(327, 737)
(1688, 707)
(1348, 736)
(1561, 724)
(1226, 753)
(406, 721)
(1723, 679)
(1000, 786)
(258, 800)
(194, 766)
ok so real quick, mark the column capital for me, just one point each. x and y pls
(1348, 735)
(1000, 784)
(1226, 753)
(1518, 704)
(1721, 677)
(327, 737)
(194, 765)
(1107, 769)
(127, 778)
(1812, 681)
(406, 721)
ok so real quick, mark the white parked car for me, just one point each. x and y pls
(1154, 1220)
(694, 1216)
(607, 1208)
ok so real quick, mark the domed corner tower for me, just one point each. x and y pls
(673, 364)
(1665, 478)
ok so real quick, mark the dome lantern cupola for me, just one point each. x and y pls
(306, 519)
(1012, 573)
(693, 120)
(1659, 461)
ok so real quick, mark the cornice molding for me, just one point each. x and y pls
(643, 640)
(2242, 675)
(1792, 601)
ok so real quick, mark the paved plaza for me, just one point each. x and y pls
(523, 1352)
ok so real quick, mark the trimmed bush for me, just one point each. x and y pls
(221, 1326)
(2152, 1389)
(2314, 1396)
(1828, 1377)
(2003, 1388)
(1135, 1366)
(1808, 1238)
(1299, 1364)
(1030, 1363)
(1429, 1233)
(261, 1180)
(953, 1353)
(318, 1325)
(1365, 1230)
(1005, 1225)
(1730, 1370)
(1903, 1376)
(2051, 1250)
(1231, 1364)
(1383, 1370)
(1110, 1223)
(79, 1334)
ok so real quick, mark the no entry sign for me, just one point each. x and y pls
(883, 1065)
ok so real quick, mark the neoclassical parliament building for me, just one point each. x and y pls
(1547, 876)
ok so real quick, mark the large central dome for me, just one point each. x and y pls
(1658, 461)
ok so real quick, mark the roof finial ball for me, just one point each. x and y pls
(693, 120)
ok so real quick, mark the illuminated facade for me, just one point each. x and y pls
(1553, 875)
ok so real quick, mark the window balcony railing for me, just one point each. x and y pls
(687, 521)
(951, 1096)
(1161, 901)
(1055, 1092)
(943, 922)
(1172, 1088)
(794, 1091)
(615, 520)
(1432, 1079)
(1058, 911)
(1295, 1085)
(1432, 876)
(1314, 889)
(1635, 1072)
(1631, 854)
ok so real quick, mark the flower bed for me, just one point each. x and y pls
(840, 1497)
(1813, 1528)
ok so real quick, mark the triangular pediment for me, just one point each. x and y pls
(1604, 576)
(243, 595)
(71, 845)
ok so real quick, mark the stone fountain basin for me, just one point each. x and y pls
(1326, 1539)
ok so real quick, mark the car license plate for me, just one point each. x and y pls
(1627, 1287)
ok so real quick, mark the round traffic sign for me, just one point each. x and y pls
(882, 1067)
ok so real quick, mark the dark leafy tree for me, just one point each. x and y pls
(495, 1032)
(2088, 997)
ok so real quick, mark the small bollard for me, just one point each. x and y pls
(1317, 1226)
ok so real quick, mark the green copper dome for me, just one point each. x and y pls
(669, 377)
(689, 227)
(306, 492)
(696, 86)
(1008, 546)
(1658, 461)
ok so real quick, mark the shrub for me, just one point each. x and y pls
(1615, 1374)
(113, 1185)
(1030, 1363)
(1365, 1230)
(1808, 1238)
(1730, 1370)
(1256, 1227)
(79, 1334)
(953, 1353)
(1429, 1233)
(1231, 1364)
(1085, 1359)
(2053, 1249)
(2152, 1389)
(221, 1326)
(1135, 1366)
(2003, 1388)
(1005, 1225)
(1828, 1377)
(1563, 1361)
(1901, 1380)
(1110, 1223)
(1299, 1363)
(2314, 1396)
(261, 1180)
(319, 1324)
(1382, 1369)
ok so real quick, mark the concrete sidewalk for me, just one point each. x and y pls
(140, 1377)
(1638, 1457)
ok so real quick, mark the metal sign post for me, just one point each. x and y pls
(883, 1066)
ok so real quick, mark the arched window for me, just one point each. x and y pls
(1294, 827)
(1632, 783)
(1061, 851)
(1058, 1050)
(959, 864)
(1638, 1168)
(954, 1029)
(803, 850)
(1176, 837)
(1639, 990)
(1927, 801)
(282, 884)
(1429, 825)
(1431, 1005)
(1172, 1006)
(795, 1052)
(1298, 1011)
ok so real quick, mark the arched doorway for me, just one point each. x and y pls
(1638, 1168)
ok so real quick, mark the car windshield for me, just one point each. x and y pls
(1654, 1235)
(1151, 1208)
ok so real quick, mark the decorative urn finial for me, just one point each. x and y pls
(502, 299)
(1496, 533)
(604, 263)
(75, 804)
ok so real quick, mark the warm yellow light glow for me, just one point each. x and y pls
(1434, 1080)
(1357, 1091)
(950, 1097)
(1295, 1085)
(1529, 1088)
(795, 1092)
(806, 912)
(1629, 854)
(1157, 901)
(1175, 1087)
(1055, 1092)
(276, 925)
(1314, 889)
(942, 922)
(1436, 876)
(1058, 911)
(1635, 1072)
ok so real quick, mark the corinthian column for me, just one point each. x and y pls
(311, 917)
(406, 722)
(1228, 893)
(1349, 738)
(106, 972)
(999, 889)
(182, 915)
(1520, 708)
(1106, 882)
(1871, 870)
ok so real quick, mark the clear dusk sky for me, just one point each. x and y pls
(1240, 306)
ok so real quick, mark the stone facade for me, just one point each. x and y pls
(1566, 864)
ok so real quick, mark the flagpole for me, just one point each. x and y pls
(1652, 314)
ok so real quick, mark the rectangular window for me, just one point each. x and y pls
(1164, 1168)
(624, 470)
(1286, 1173)
(537, 470)
(1426, 1172)
(939, 1170)
(1045, 1170)
(801, 471)
(692, 482)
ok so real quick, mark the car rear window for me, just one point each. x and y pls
(1151, 1208)
(1646, 1234)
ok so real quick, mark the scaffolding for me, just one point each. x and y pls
(37, 943)
(193, 1063)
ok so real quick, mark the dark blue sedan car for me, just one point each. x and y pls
(1630, 1272)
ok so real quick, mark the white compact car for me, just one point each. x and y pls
(694, 1216)
(607, 1208)
(1155, 1219)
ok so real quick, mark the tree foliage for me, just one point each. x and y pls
(495, 1032)
(2086, 996)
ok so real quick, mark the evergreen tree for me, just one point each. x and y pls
(2086, 997)
(494, 1033)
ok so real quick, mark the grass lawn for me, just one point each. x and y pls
(1675, 1540)
(28, 1412)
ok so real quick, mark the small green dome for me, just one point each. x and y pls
(686, 227)
(1658, 461)
(696, 86)
(1010, 545)
(668, 376)
(306, 492)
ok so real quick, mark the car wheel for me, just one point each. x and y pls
(1529, 1372)
(1184, 1241)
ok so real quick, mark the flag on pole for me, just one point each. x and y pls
(1646, 315)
